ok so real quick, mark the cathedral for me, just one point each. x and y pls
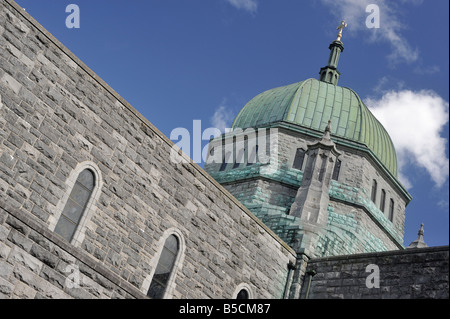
(334, 189)
(300, 200)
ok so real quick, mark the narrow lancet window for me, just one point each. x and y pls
(243, 294)
(225, 160)
(163, 271)
(374, 191)
(337, 170)
(239, 158)
(76, 205)
(252, 158)
(391, 210)
(299, 159)
(383, 200)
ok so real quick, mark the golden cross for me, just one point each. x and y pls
(340, 28)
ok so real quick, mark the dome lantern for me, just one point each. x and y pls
(330, 73)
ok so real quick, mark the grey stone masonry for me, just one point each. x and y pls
(37, 263)
(56, 118)
(404, 274)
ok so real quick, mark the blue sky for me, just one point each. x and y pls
(177, 61)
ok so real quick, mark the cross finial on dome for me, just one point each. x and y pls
(340, 28)
(330, 73)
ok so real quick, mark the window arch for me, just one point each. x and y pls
(243, 294)
(299, 159)
(383, 200)
(243, 291)
(77, 205)
(336, 170)
(164, 268)
(160, 283)
(225, 160)
(373, 195)
(252, 159)
(239, 158)
(391, 210)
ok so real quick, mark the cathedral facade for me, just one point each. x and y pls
(294, 203)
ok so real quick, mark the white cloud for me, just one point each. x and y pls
(354, 12)
(415, 121)
(427, 70)
(223, 117)
(387, 84)
(247, 5)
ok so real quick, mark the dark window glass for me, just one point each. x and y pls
(337, 170)
(383, 200)
(391, 210)
(164, 268)
(243, 294)
(252, 158)
(225, 161)
(374, 191)
(299, 159)
(76, 204)
(239, 158)
(86, 178)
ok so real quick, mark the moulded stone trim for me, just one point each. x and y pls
(79, 235)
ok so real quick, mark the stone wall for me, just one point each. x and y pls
(56, 117)
(403, 274)
(35, 263)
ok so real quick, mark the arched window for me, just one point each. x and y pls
(391, 210)
(299, 159)
(243, 294)
(383, 200)
(252, 158)
(337, 170)
(225, 160)
(76, 205)
(239, 158)
(243, 291)
(164, 268)
(374, 191)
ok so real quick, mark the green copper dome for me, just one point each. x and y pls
(310, 104)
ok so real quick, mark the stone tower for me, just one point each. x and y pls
(330, 186)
